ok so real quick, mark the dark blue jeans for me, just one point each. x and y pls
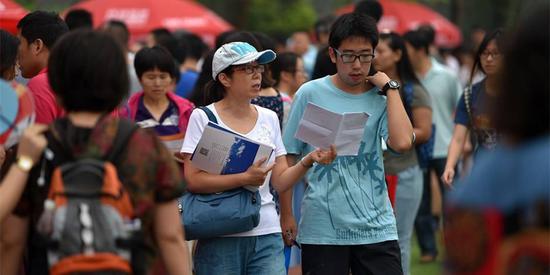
(426, 224)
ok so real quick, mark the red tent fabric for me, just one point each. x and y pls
(10, 14)
(142, 16)
(404, 16)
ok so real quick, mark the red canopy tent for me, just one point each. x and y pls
(142, 16)
(404, 16)
(10, 14)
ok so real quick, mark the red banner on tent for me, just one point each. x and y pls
(10, 14)
(404, 16)
(142, 16)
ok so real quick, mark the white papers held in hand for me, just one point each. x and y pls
(320, 128)
(222, 151)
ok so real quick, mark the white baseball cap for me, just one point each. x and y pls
(237, 53)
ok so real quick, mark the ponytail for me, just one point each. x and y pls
(213, 91)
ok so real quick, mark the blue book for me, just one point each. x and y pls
(222, 151)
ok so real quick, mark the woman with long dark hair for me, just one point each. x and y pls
(472, 112)
(392, 59)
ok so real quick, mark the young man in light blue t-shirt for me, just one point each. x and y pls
(347, 220)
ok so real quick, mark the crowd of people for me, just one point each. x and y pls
(474, 132)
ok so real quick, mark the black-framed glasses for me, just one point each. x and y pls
(250, 69)
(350, 57)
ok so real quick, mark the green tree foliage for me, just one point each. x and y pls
(269, 16)
(280, 16)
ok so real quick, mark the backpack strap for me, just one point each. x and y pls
(62, 151)
(125, 131)
(209, 114)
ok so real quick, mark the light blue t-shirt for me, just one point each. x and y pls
(346, 202)
(445, 91)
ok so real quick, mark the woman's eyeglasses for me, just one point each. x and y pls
(250, 69)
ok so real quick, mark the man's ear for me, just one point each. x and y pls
(38, 46)
(224, 79)
(398, 55)
(332, 55)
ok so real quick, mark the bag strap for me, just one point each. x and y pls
(468, 103)
(209, 114)
(125, 131)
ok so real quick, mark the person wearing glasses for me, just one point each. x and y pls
(237, 69)
(472, 111)
(347, 220)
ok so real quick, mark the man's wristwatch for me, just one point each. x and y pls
(392, 84)
(25, 163)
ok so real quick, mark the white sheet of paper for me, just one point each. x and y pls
(320, 128)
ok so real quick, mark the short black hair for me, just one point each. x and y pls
(428, 31)
(418, 40)
(43, 25)
(243, 36)
(193, 44)
(118, 30)
(371, 8)
(266, 41)
(524, 91)
(285, 62)
(157, 57)
(164, 38)
(353, 25)
(79, 80)
(323, 24)
(8, 51)
(79, 18)
(222, 37)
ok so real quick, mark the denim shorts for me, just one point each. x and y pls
(240, 255)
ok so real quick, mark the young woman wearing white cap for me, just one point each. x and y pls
(236, 73)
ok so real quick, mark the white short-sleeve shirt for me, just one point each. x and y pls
(266, 131)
